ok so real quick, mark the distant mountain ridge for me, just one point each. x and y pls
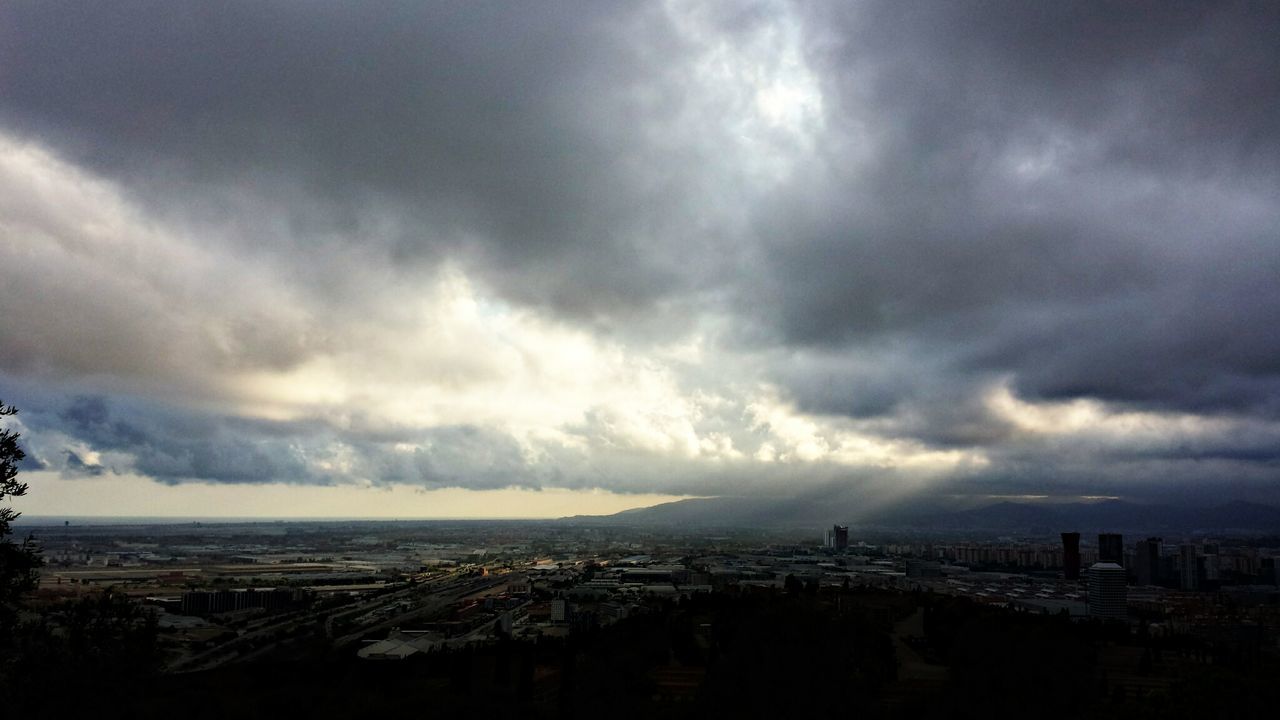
(1114, 515)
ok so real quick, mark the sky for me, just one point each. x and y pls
(505, 259)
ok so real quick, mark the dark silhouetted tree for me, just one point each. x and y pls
(18, 560)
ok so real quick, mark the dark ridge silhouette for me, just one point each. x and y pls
(1235, 516)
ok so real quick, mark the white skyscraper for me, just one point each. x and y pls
(1108, 594)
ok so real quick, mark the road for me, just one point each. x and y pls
(433, 596)
(440, 599)
(227, 651)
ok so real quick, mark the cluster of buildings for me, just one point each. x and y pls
(212, 602)
(1185, 566)
(837, 538)
(1150, 579)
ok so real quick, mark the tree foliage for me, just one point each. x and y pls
(104, 640)
(18, 560)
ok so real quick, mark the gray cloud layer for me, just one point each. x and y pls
(885, 210)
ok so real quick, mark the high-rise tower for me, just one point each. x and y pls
(1147, 558)
(1108, 595)
(840, 533)
(1111, 548)
(1071, 555)
(1189, 565)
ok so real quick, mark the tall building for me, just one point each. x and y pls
(1071, 555)
(840, 537)
(1147, 560)
(1267, 572)
(1212, 564)
(1108, 595)
(1111, 548)
(1212, 569)
(1188, 567)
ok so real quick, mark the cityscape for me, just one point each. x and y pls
(492, 615)
(707, 359)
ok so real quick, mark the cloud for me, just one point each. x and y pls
(681, 247)
(76, 465)
(554, 151)
(1081, 198)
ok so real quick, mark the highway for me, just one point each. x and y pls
(439, 599)
(429, 598)
(227, 651)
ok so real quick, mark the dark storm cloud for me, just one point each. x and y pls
(1076, 201)
(534, 138)
(76, 466)
(455, 456)
(1183, 87)
(175, 445)
(30, 460)
(1083, 197)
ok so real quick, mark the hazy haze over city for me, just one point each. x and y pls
(466, 260)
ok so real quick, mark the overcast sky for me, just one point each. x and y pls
(426, 258)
